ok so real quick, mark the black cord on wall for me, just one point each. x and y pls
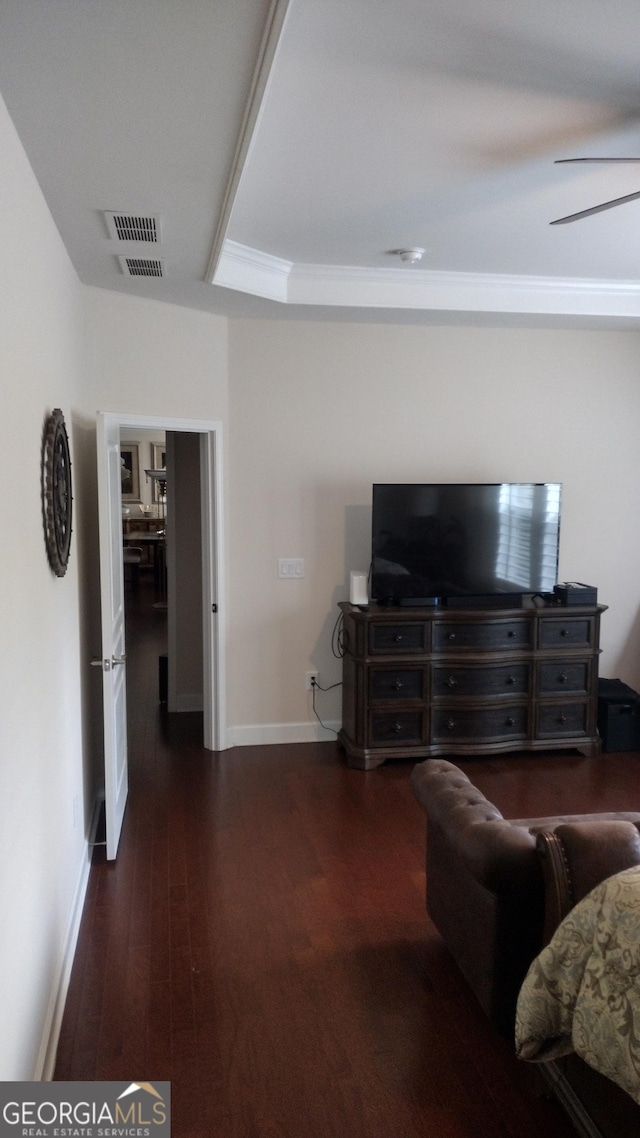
(338, 638)
(315, 686)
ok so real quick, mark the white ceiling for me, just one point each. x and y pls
(289, 147)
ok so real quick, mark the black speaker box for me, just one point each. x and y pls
(575, 593)
(618, 716)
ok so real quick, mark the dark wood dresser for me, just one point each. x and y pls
(436, 681)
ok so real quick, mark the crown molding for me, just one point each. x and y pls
(261, 79)
(470, 292)
(249, 270)
(260, 274)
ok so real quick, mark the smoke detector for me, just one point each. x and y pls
(410, 256)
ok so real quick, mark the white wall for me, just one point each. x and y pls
(319, 412)
(43, 859)
(150, 358)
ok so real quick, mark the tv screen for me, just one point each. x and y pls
(482, 542)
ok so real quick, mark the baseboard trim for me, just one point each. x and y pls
(264, 734)
(46, 1061)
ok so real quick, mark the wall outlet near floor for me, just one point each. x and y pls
(312, 680)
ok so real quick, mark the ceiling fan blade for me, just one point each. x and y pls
(595, 209)
(559, 161)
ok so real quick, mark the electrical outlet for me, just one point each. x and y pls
(312, 680)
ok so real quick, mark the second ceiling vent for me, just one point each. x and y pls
(142, 266)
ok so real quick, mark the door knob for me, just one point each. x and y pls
(107, 665)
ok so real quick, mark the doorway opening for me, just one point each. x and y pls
(162, 550)
(202, 526)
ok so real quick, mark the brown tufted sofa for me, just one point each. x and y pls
(497, 889)
(486, 881)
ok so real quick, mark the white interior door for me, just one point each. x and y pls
(113, 660)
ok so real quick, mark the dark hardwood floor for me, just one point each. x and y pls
(262, 941)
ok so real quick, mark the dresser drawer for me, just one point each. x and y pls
(558, 719)
(488, 724)
(486, 680)
(564, 676)
(387, 638)
(567, 632)
(387, 729)
(485, 636)
(396, 683)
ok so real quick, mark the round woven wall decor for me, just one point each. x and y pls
(56, 492)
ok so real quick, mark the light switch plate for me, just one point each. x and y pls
(291, 567)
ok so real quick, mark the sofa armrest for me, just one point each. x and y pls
(499, 854)
(577, 856)
(484, 887)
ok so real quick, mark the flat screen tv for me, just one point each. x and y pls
(462, 544)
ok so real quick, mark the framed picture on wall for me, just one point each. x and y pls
(158, 462)
(130, 471)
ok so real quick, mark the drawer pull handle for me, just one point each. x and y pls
(562, 719)
(564, 631)
(452, 682)
(397, 638)
(511, 680)
(510, 721)
(511, 633)
(451, 724)
(451, 636)
(398, 685)
(397, 729)
(563, 678)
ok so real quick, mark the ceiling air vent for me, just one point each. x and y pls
(142, 266)
(131, 227)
